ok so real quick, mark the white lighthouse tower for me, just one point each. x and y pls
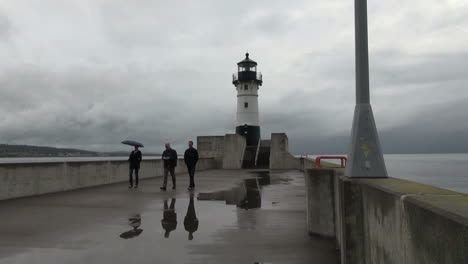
(247, 82)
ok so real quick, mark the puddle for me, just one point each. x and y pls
(246, 195)
(191, 220)
(135, 223)
(169, 221)
(263, 177)
(258, 190)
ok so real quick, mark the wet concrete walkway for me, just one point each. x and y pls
(232, 217)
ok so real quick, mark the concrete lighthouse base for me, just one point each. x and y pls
(251, 134)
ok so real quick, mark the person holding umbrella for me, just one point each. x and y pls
(134, 161)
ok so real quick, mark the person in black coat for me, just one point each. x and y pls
(191, 158)
(169, 157)
(134, 161)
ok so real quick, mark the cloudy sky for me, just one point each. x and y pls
(90, 73)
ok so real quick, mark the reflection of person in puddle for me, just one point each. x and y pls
(191, 221)
(169, 221)
(134, 222)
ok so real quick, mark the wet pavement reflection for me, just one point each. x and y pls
(134, 222)
(191, 221)
(169, 221)
(247, 195)
(233, 217)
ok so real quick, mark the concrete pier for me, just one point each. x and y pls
(264, 225)
(82, 212)
(388, 220)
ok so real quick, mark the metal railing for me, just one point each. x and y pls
(259, 76)
(258, 150)
(318, 160)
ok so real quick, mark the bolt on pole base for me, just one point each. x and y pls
(365, 158)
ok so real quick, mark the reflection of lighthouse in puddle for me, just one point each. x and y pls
(247, 195)
(252, 200)
(253, 197)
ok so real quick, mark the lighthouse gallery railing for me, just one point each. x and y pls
(251, 75)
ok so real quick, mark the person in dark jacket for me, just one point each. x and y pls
(134, 160)
(190, 220)
(169, 157)
(169, 221)
(191, 158)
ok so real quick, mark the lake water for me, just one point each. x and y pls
(448, 171)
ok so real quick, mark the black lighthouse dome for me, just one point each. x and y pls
(247, 62)
(247, 71)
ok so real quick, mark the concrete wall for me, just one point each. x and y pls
(228, 152)
(211, 147)
(234, 148)
(280, 158)
(391, 220)
(28, 179)
(320, 203)
(305, 163)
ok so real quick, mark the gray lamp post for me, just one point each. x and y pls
(365, 158)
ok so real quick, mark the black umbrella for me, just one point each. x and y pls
(132, 143)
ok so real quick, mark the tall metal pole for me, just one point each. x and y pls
(365, 158)
(362, 53)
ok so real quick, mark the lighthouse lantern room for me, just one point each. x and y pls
(247, 82)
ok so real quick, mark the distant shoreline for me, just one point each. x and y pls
(27, 151)
(101, 155)
(20, 160)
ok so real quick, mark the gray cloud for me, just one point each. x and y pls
(5, 26)
(393, 68)
(89, 74)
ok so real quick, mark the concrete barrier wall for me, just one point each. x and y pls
(234, 148)
(389, 220)
(320, 203)
(305, 163)
(280, 158)
(28, 179)
(211, 147)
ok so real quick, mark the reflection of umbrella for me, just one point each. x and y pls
(132, 143)
(131, 234)
(134, 222)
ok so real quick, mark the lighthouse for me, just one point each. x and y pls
(247, 82)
